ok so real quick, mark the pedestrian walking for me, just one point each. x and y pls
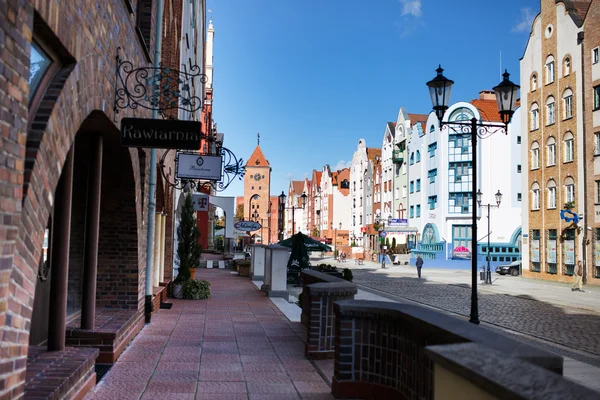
(419, 265)
(578, 274)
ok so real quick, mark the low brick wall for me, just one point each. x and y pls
(319, 293)
(380, 348)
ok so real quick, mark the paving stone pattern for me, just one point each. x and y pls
(236, 345)
(568, 326)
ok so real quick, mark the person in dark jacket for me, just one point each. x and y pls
(419, 265)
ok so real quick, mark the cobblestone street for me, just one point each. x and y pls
(571, 327)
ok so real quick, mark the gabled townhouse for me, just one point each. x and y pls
(440, 184)
(295, 220)
(315, 223)
(559, 69)
(341, 205)
(358, 169)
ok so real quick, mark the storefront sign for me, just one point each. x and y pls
(247, 226)
(596, 213)
(160, 133)
(552, 251)
(194, 166)
(535, 250)
(200, 202)
(569, 249)
(397, 222)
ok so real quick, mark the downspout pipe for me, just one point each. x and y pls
(152, 178)
(584, 247)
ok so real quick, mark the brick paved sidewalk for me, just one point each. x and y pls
(236, 345)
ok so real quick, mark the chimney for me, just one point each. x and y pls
(487, 95)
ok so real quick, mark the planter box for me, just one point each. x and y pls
(244, 270)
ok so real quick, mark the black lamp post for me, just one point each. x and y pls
(282, 206)
(506, 96)
(488, 274)
(335, 238)
(381, 240)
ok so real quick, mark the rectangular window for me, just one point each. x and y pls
(535, 250)
(431, 174)
(552, 197)
(550, 72)
(461, 199)
(418, 210)
(569, 193)
(432, 201)
(461, 170)
(597, 143)
(535, 119)
(519, 197)
(535, 158)
(144, 22)
(535, 199)
(461, 236)
(551, 114)
(518, 139)
(519, 168)
(412, 186)
(597, 98)
(551, 154)
(597, 192)
(569, 151)
(569, 107)
(412, 212)
(418, 185)
(431, 149)
(595, 55)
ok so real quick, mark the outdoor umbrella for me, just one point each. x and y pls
(309, 243)
(298, 259)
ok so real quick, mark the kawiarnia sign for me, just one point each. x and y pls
(160, 134)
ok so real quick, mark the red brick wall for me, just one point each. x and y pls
(89, 87)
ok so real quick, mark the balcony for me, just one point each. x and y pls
(398, 157)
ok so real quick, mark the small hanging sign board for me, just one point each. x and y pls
(160, 133)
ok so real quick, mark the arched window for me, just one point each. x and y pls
(567, 66)
(569, 190)
(569, 147)
(412, 158)
(550, 111)
(568, 103)
(535, 196)
(551, 185)
(551, 151)
(534, 82)
(535, 117)
(418, 156)
(549, 70)
(535, 155)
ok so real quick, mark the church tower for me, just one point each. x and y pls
(257, 190)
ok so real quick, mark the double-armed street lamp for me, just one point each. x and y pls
(282, 207)
(488, 273)
(506, 97)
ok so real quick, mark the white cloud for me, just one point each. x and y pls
(341, 165)
(524, 24)
(411, 7)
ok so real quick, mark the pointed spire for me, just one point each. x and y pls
(258, 138)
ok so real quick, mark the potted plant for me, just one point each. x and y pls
(188, 248)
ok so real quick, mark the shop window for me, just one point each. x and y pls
(144, 24)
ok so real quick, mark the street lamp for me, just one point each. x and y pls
(506, 97)
(282, 207)
(335, 238)
(381, 241)
(488, 275)
(269, 227)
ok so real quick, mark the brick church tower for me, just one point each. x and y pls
(257, 194)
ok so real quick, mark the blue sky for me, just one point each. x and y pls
(313, 77)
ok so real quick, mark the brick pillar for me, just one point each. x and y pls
(57, 326)
(320, 340)
(92, 225)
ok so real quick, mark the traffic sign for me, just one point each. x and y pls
(383, 234)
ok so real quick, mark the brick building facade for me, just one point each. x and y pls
(64, 177)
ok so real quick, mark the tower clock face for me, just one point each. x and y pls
(257, 176)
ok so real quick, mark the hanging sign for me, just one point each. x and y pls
(194, 166)
(160, 133)
(247, 226)
(200, 202)
(535, 250)
(397, 222)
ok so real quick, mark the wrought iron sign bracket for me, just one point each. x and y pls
(157, 88)
(232, 168)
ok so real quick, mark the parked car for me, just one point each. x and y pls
(513, 268)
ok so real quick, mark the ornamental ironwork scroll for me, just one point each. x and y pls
(232, 168)
(157, 88)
